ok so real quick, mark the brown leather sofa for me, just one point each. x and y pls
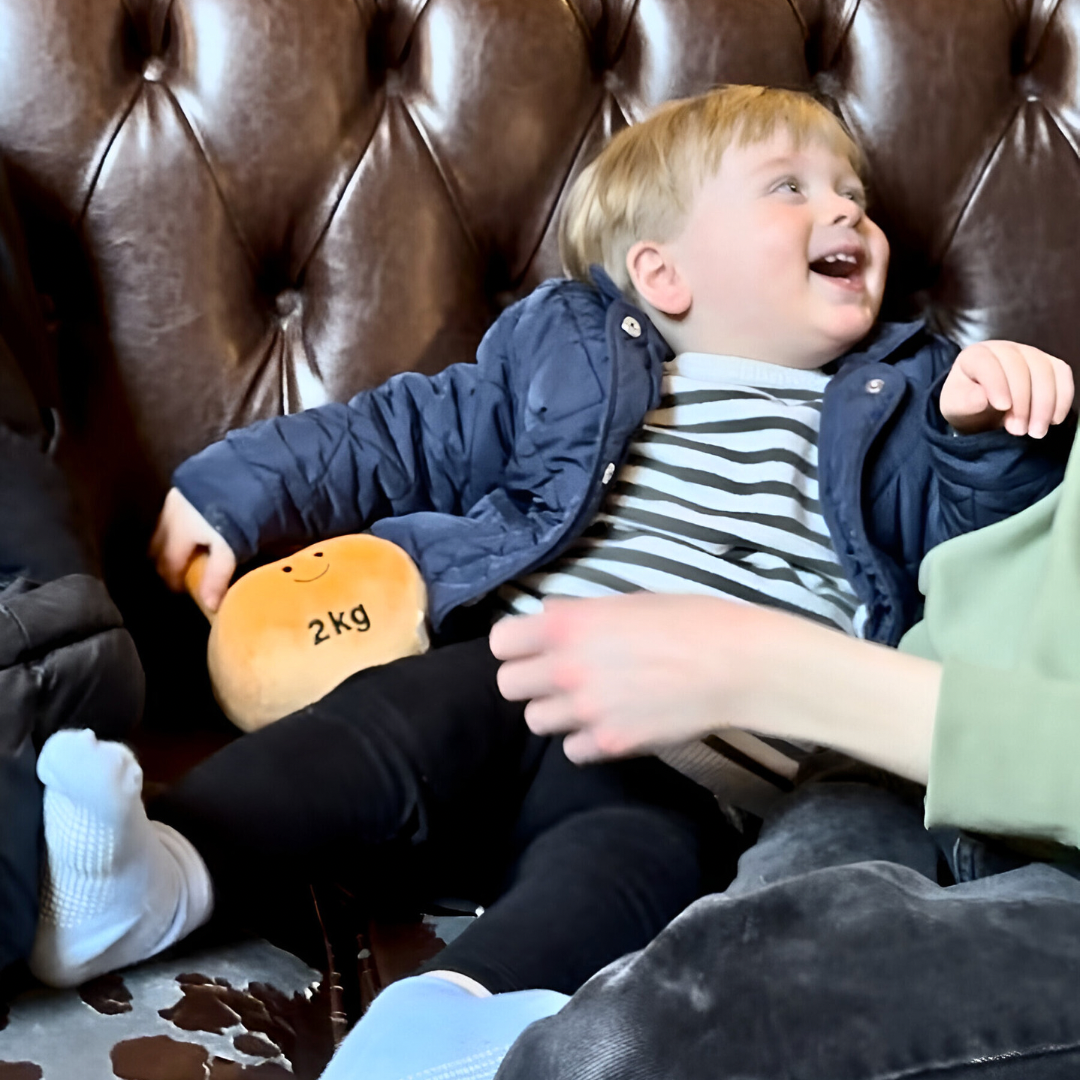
(237, 208)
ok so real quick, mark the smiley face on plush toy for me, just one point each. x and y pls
(275, 647)
(358, 618)
(304, 580)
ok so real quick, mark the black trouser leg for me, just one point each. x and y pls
(606, 856)
(421, 780)
(20, 832)
(364, 769)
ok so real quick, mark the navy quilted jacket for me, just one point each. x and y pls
(488, 470)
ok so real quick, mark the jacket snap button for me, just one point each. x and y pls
(874, 386)
(609, 472)
(631, 326)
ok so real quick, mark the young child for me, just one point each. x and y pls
(707, 405)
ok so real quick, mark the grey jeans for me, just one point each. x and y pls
(853, 945)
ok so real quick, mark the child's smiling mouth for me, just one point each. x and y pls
(843, 268)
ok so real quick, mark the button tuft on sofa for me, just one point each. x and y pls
(153, 69)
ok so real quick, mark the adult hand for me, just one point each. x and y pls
(624, 675)
(1002, 384)
(627, 674)
(180, 534)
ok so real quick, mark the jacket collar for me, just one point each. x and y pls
(606, 287)
(878, 345)
(655, 344)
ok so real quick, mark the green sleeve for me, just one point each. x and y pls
(1005, 758)
(1003, 618)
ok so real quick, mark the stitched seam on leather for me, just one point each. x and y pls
(306, 260)
(195, 137)
(100, 164)
(621, 43)
(552, 212)
(444, 176)
(1042, 15)
(1061, 128)
(799, 17)
(846, 23)
(586, 33)
(980, 180)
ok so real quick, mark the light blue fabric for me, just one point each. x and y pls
(427, 1028)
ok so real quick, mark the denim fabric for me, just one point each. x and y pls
(837, 955)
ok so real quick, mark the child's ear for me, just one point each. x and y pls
(657, 279)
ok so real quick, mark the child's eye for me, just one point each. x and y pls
(856, 195)
(789, 184)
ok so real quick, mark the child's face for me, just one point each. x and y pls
(779, 257)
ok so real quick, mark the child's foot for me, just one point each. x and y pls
(117, 887)
(429, 1028)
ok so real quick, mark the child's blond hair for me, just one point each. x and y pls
(641, 185)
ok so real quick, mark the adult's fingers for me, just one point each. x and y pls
(552, 715)
(517, 636)
(527, 678)
(580, 747)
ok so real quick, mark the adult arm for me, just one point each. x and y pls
(627, 674)
(997, 747)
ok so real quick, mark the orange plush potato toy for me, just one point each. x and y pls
(289, 632)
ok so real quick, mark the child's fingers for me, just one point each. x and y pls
(1040, 367)
(963, 398)
(169, 547)
(173, 555)
(1018, 376)
(981, 365)
(220, 565)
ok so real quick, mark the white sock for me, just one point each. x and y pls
(117, 888)
(475, 988)
(431, 1027)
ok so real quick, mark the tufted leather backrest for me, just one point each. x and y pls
(243, 207)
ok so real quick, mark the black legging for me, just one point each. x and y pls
(419, 779)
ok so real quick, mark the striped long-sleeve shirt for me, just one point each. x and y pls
(718, 495)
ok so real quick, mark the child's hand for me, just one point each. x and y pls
(1002, 384)
(181, 532)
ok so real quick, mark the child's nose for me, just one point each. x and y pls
(844, 211)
